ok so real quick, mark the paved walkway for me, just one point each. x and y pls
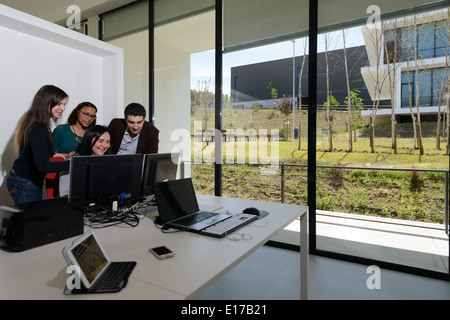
(421, 245)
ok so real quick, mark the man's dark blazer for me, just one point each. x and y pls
(148, 139)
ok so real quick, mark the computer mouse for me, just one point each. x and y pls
(252, 211)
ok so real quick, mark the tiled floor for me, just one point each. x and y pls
(273, 273)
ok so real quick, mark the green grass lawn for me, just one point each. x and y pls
(288, 151)
(407, 156)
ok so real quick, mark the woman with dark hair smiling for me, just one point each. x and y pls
(34, 143)
(96, 142)
(68, 136)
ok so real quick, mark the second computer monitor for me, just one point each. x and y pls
(158, 167)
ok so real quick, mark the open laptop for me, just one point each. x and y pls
(94, 272)
(178, 207)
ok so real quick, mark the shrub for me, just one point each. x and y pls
(415, 181)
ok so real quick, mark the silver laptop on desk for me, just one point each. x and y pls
(178, 207)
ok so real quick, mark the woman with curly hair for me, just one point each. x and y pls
(69, 136)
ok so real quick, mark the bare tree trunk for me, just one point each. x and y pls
(394, 133)
(438, 125)
(448, 111)
(408, 74)
(447, 151)
(300, 96)
(349, 98)
(378, 82)
(372, 131)
(330, 141)
(448, 123)
(445, 84)
(371, 134)
(392, 72)
(418, 123)
(413, 117)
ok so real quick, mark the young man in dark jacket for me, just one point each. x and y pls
(133, 134)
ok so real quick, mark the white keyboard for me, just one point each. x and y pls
(225, 227)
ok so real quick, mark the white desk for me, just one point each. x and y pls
(40, 273)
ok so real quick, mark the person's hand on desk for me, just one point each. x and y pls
(64, 155)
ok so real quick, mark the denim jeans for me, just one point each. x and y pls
(22, 190)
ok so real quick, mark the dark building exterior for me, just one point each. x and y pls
(250, 82)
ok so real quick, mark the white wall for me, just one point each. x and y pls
(136, 68)
(35, 53)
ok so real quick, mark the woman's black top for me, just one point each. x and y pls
(33, 162)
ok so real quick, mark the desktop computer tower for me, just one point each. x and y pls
(41, 223)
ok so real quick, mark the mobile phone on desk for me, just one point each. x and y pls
(161, 252)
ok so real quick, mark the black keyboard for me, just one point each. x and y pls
(115, 278)
(193, 219)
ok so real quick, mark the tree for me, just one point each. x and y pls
(443, 34)
(272, 93)
(441, 91)
(300, 95)
(378, 78)
(356, 106)
(328, 103)
(204, 98)
(255, 108)
(285, 107)
(331, 105)
(348, 99)
(448, 84)
(416, 80)
(406, 50)
(391, 60)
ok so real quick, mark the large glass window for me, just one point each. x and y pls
(376, 187)
(184, 83)
(429, 86)
(408, 41)
(408, 89)
(442, 35)
(265, 47)
(426, 41)
(420, 40)
(127, 28)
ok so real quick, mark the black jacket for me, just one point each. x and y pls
(148, 139)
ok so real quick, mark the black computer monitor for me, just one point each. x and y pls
(98, 181)
(158, 167)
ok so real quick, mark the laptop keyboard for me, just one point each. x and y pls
(193, 219)
(113, 278)
(225, 227)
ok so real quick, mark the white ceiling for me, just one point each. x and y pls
(178, 34)
(56, 10)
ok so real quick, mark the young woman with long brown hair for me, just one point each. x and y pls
(34, 143)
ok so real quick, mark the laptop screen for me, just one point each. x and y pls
(90, 258)
(175, 199)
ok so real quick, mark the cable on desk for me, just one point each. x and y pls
(163, 229)
(127, 216)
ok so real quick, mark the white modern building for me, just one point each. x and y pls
(400, 50)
